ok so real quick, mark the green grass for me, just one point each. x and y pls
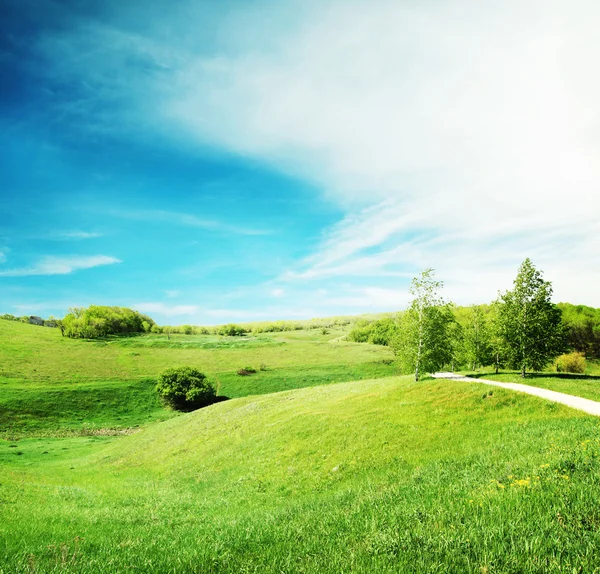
(586, 386)
(377, 475)
(374, 476)
(54, 385)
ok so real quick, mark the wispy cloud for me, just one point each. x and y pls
(2, 257)
(468, 161)
(440, 155)
(187, 220)
(67, 235)
(61, 265)
(166, 310)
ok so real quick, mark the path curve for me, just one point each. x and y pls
(579, 403)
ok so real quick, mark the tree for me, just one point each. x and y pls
(185, 388)
(99, 321)
(528, 322)
(477, 339)
(423, 343)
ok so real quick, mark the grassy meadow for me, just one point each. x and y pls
(51, 384)
(586, 385)
(295, 473)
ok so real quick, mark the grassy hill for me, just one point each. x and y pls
(376, 475)
(372, 476)
(53, 385)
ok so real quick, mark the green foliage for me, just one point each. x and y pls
(246, 371)
(9, 317)
(570, 363)
(423, 342)
(379, 332)
(231, 330)
(582, 328)
(99, 321)
(185, 389)
(477, 339)
(528, 322)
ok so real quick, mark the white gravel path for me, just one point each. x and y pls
(585, 405)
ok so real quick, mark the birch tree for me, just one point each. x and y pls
(423, 342)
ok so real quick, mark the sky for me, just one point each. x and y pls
(209, 162)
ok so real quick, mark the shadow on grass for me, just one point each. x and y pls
(567, 376)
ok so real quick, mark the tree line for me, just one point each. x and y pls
(522, 329)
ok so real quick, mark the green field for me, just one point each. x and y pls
(50, 384)
(586, 386)
(377, 475)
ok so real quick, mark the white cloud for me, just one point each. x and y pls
(462, 135)
(166, 310)
(277, 292)
(187, 220)
(172, 293)
(2, 257)
(61, 265)
(454, 136)
(79, 235)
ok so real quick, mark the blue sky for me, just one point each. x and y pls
(232, 161)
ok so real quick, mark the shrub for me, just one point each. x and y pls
(231, 330)
(570, 363)
(185, 389)
(246, 371)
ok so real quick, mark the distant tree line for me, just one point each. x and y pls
(31, 319)
(522, 329)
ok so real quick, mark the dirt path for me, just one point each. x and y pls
(586, 405)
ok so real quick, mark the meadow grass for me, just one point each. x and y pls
(383, 475)
(374, 476)
(586, 386)
(50, 385)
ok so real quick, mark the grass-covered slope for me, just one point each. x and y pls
(586, 386)
(51, 385)
(373, 476)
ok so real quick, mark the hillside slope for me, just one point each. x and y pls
(373, 476)
(53, 386)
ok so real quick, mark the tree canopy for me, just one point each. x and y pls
(528, 322)
(99, 321)
(423, 343)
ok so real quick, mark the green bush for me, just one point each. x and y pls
(246, 371)
(570, 363)
(99, 321)
(380, 332)
(185, 389)
(231, 330)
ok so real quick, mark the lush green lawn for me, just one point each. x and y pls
(586, 386)
(373, 476)
(50, 385)
(384, 475)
